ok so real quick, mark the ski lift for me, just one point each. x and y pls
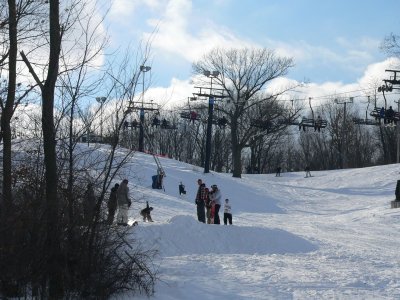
(132, 124)
(155, 122)
(222, 122)
(317, 123)
(262, 124)
(165, 124)
(375, 113)
(190, 114)
(388, 115)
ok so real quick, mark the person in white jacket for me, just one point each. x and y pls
(227, 213)
(124, 202)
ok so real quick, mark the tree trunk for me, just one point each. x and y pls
(8, 109)
(56, 289)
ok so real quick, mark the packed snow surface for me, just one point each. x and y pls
(330, 236)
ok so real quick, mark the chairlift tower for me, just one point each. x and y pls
(212, 95)
(141, 108)
(393, 83)
(143, 69)
(344, 135)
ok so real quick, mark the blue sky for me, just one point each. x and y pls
(332, 42)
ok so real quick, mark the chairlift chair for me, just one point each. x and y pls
(190, 115)
(165, 124)
(317, 124)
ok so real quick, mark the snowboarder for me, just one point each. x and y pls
(200, 196)
(227, 213)
(182, 189)
(278, 171)
(308, 173)
(112, 204)
(124, 202)
(145, 213)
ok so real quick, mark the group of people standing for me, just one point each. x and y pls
(119, 198)
(208, 204)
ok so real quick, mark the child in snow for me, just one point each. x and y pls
(182, 189)
(227, 213)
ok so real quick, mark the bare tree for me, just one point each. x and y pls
(244, 74)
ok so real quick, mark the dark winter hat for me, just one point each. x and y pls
(226, 200)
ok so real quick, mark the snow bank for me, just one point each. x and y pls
(183, 235)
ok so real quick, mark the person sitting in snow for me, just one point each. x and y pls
(145, 213)
(182, 189)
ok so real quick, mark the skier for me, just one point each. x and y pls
(112, 204)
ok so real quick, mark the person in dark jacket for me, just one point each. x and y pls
(278, 171)
(182, 189)
(308, 173)
(389, 115)
(145, 213)
(112, 204)
(200, 197)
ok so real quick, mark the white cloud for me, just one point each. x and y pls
(179, 90)
(174, 36)
(174, 95)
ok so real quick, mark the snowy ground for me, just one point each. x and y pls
(331, 236)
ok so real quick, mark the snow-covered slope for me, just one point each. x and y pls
(331, 236)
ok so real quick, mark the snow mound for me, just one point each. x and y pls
(184, 235)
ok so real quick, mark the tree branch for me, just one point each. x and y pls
(31, 70)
